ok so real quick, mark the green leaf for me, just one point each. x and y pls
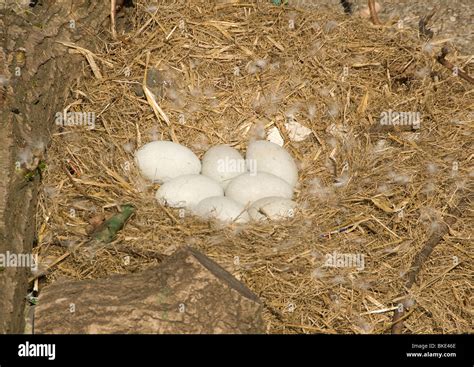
(108, 230)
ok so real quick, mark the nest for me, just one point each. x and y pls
(226, 73)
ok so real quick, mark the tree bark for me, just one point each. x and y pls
(187, 293)
(35, 77)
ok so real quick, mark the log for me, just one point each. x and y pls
(35, 76)
(187, 293)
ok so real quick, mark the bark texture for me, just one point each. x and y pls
(35, 77)
(187, 293)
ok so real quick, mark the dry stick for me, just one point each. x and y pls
(453, 214)
(373, 13)
(151, 99)
(425, 31)
(113, 10)
(52, 265)
(55, 262)
(442, 60)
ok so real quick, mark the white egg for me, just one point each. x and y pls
(221, 208)
(250, 187)
(273, 208)
(222, 163)
(187, 191)
(271, 158)
(161, 161)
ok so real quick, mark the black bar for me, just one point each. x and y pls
(312, 350)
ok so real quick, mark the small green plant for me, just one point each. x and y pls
(30, 175)
(31, 298)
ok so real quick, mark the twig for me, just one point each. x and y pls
(90, 57)
(398, 320)
(113, 12)
(455, 69)
(373, 13)
(159, 113)
(453, 214)
(55, 262)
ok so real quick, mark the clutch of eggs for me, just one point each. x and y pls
(225, 186)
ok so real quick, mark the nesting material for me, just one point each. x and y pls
(275, 137)
(361, 204)
(296, 131)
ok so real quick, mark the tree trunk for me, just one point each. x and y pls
(187, 293)
(35, 77)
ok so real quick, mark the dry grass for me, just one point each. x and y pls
(354, 175)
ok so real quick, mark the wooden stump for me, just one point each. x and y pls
(187, 293)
